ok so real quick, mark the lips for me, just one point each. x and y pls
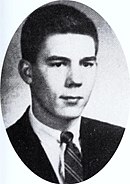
(71, 100)
(71, 97)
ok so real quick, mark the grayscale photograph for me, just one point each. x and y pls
(65, 92)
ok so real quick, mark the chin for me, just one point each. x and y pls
(70, 115)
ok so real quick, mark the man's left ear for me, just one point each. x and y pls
(25, 70)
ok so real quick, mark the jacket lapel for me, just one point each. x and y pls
(31, 151)
(99, 142)
(91, 148)
(84, 149)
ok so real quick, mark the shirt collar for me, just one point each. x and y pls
(39, 128)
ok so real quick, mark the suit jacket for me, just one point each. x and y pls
(99, 141)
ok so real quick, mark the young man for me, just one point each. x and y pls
(59, 46)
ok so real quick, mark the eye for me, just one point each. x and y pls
(57, 64)
(88, 61)
(87, 64)
(57, 61)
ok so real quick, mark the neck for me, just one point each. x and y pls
(48, 119)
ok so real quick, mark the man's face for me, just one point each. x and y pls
(64, 74)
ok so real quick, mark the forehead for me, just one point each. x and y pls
(68, 44)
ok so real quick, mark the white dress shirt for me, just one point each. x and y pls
(50, 141)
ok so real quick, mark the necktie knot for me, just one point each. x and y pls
(66, 137)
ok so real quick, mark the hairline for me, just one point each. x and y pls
(59, 32)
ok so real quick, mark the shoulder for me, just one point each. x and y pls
(101, 132)
(20, 132)
(99, 141)
(23, 138)
(20, 123)
(100, 126)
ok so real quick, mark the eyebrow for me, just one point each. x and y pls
(53, 58)
(92, 58)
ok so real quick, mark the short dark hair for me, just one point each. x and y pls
(53, 19)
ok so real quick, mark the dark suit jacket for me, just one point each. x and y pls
(99, 141)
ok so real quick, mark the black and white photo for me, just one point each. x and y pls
(65, 92)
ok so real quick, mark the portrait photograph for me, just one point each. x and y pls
(65, 92)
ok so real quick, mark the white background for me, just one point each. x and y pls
(117, 14)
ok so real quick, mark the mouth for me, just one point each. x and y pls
(71, 99)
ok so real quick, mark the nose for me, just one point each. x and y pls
(73, 78)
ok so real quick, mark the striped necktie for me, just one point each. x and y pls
(72, 160)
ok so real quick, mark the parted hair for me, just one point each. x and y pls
(53, 19)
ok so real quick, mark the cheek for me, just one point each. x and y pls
(55, 80)
(39, 83)
(89, 77)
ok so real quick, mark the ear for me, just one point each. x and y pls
(25, 70)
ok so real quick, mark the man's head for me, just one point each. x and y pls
(59, 46)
